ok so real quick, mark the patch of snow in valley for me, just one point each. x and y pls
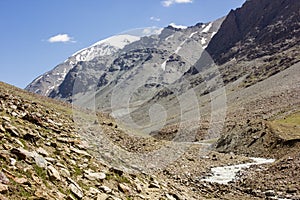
(224, 175)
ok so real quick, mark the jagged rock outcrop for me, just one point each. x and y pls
(259, 28)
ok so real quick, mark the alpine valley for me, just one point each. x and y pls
(210, 111)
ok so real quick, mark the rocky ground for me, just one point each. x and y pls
(45, 155)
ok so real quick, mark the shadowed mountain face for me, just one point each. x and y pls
(259, 28)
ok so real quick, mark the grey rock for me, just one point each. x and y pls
(2, 129)
(53, 173)
(3, 188)
(76, 190)
(3, 178)
(93, 191)
(270, 193)
(80, 152)
(21, 153)
(42, 151)
(64, 172)
(154, 184)
(94, 175)
(105, 189)
(124, 188)
(12, 161)
(11, 129)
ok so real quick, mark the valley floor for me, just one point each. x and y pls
(44, 154)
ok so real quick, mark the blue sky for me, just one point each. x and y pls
(29, 48)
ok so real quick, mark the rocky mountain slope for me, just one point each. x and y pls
(263, 31)
(90, 63)
(45, 154)
(49, 81)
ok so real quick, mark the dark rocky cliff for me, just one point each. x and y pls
(259, 28)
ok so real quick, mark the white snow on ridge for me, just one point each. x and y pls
(203, 40)
(169, 37)
(192, 34)
(207, 28)
(178, 26)
(119, 41)
(163, 65)
(213, 34)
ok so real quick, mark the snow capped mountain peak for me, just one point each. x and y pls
(178, 26)
(106, 46)
(118, 41)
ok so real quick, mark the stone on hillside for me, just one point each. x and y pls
(6, 118)
(76, 190)
(12, 161)
(291, 190)
(21, 180)
(172, 197)
(116, 171)
(42, 151)
(138, 188)
(154, 184)
(83, 145)
(64, 172)
(66, 140)
(4, 154)
(18, 142)
(102, 196)
(2, 129)
(70, 197)
(21, 153)
(54, 123)
(112, 198)
(33, 137)
(51, 160)
(124, 188)
(39, 160)
(93, 191)
(3, 188)
(105, 189)
(3, 178)
(80, 152)
(3, 197)
(94, 175)
(24, 154)
(270, 193)
(11, 129)
(53, 173)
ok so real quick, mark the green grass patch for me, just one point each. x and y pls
(42, 173)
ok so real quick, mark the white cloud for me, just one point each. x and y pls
(147, 31)
(167, 3)
(155, 19)
(61, 38)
